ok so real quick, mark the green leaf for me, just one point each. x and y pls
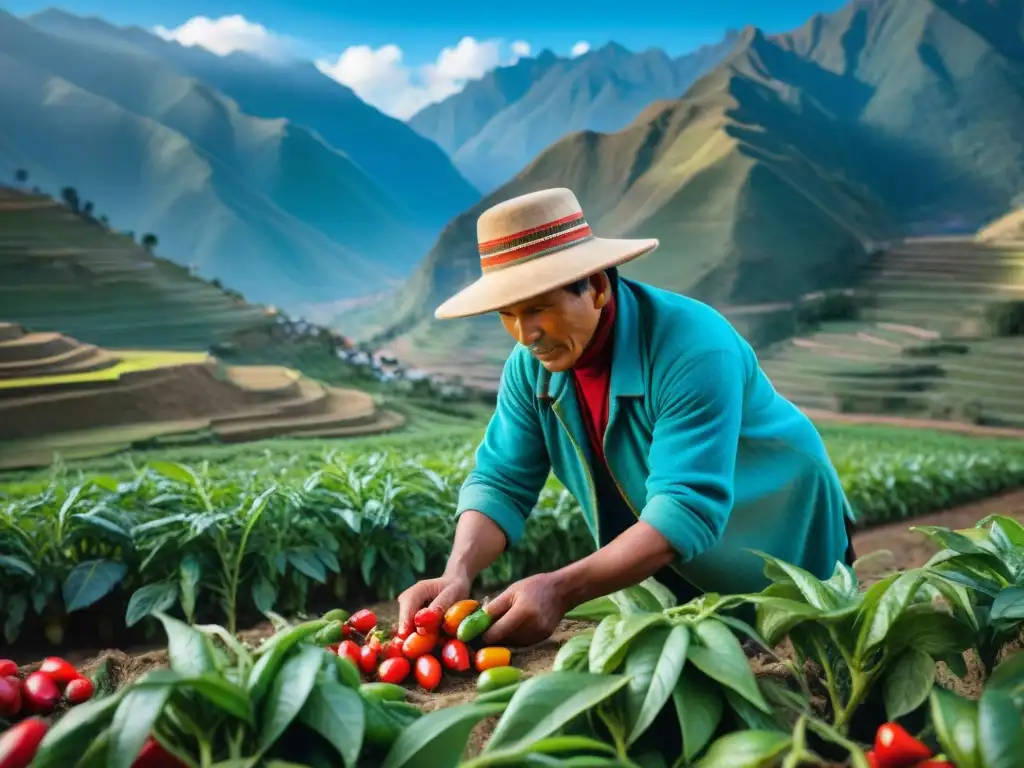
(1009, 604)
(274, 653)
(1008, 675)
(189, 575)
(653, 664)
(956, 725)
(720, 656)
(289, 691)
(149, 599)
(545, 703)
(264, 594)
(777, 616)
(91, 581)
(1000, 730)
(134, 719)
(369, 560)
(879, 618)
(188, 649)
(665, 597)
(558, 744)
(80, 725)
(636, 599)
(909, 682)
(224, 694)
(745, 749)
(926, 629)
(612, 638)
(594, 610)
(15, 608)
(306, 562)
(438, 739)
(12, 563)
(574, 653)
(336, 713)
(699, 707)
(814, 591)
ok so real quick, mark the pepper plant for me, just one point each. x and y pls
(889, 635)
(988, 560)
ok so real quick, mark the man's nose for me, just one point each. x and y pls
(528, 332)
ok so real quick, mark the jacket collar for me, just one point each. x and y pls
(627, 377)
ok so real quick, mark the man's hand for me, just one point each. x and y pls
(527, 612)
(443, 591)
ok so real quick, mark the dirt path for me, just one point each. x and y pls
(817, 414)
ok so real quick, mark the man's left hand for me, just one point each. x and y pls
(527, 612)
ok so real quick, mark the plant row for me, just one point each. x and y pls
(652, 684)
(213, 546)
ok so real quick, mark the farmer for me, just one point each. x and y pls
(650, 408)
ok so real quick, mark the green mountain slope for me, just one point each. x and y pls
(411, 169)
(264, 205)
(773, 175)
(496, 125)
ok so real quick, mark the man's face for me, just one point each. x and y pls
(557, 326)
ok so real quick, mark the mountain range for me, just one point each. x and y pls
(775, 172)
(243, 184)
(496, 125)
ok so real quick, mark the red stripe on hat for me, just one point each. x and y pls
(507, 238)
(531, 249)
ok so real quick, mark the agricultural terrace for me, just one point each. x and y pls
(168, 554)
(932, 328)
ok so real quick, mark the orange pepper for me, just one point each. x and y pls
(488, 658)
(454, 615)
(416, 645)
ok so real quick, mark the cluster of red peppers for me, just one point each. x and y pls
(437, 641)
(895, 748)
(30, 699)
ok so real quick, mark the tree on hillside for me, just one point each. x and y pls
(104, 220)
(87, 208)
(149, 241)
(70, 196)
(21, 176)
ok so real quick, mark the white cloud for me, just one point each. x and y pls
(381, 78)
(580, 48)
(228, 34)
(520, 48)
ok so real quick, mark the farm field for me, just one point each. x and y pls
(294, 528)
(919, 343)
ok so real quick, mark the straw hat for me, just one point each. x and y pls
(533, 244)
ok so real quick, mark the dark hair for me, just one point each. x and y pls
(580, 286)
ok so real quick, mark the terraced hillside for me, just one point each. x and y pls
(78, 400)
(60, 271)
(922, 339)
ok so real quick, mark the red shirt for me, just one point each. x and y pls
(592, 376)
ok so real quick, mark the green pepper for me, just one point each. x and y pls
(474, 625)
(382, 725)
(338, 614)
(383, 691)
(331, 634)
(497, 677)
(348, 672)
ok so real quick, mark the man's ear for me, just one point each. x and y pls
(602, 290)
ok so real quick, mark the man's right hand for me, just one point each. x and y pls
(444, 591)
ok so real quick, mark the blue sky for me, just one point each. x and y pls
(403, 54)
(421, 29)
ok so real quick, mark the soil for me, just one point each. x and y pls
(898, 548)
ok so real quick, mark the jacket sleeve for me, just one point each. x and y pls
(512, 462)
(693, 451)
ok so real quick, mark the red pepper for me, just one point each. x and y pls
(349, 650)
(428, 620)
(362, 621)
(153, 755)
(455, 655)
(375, 640)
(18, 744)
(394, 670)
(393, 648)
(58, 670)
(895, 748)
(40, 693)
(8, 668)
(79, 690)
(10, 697)
(934, 763)
(428, 672)
(367, 659)
(872, 759)
(404, 631)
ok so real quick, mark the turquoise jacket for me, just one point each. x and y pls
(699, 442)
